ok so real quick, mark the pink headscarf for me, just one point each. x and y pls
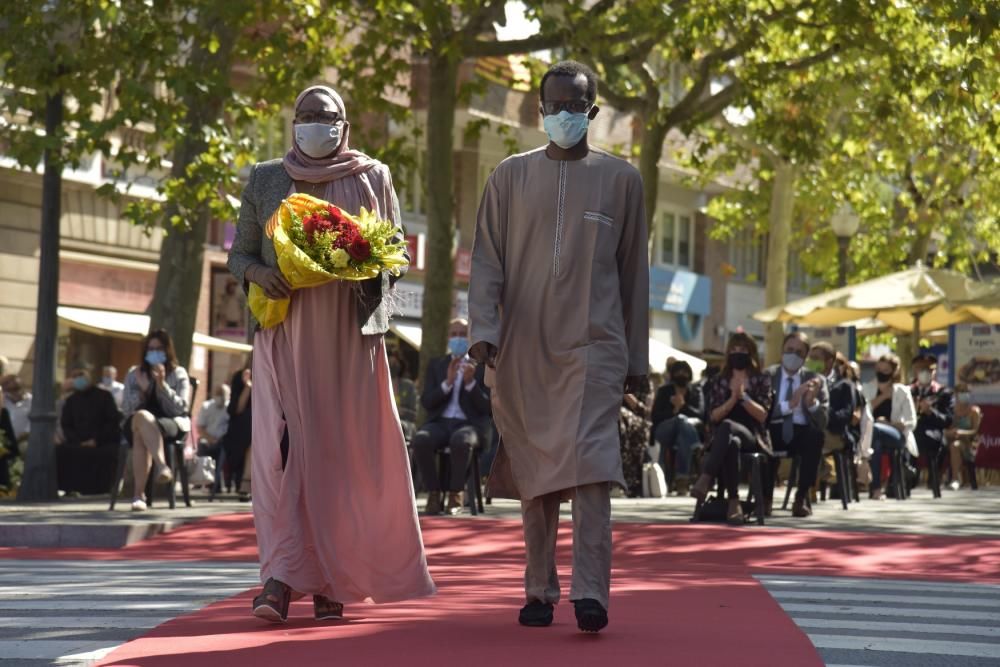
(345, 162)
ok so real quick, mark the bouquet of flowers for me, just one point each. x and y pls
(317, 242)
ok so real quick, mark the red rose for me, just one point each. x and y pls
(359, 250)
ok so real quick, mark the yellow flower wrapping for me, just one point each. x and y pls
(298, 268)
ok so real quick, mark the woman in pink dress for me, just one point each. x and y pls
(332, 495)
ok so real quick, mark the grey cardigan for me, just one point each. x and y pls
(268, 185)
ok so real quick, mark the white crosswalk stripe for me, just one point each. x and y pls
(76, 612)
(874, 623)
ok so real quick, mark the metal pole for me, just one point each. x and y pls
(842, 243)
(39, 482)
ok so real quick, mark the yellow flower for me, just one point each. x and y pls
(340, 258)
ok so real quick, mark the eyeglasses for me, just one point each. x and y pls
(572, 106)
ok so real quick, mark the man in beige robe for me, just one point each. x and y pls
(559, 298)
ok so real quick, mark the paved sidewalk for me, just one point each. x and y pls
(958, 513)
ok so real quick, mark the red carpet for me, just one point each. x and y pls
(678, 590)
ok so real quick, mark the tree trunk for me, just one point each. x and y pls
(780, 226)
(182, 254)
(178, 283)
(653, 136)
(439, 279)
(39, 482)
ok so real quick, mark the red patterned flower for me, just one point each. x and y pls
(314, 224)
(359, 250)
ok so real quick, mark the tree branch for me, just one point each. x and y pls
(715, 104)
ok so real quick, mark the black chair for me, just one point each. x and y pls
(793, 477)
(843, 485)
(473, 478)
(753, 506)
(173, 451)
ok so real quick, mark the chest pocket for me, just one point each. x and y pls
(600, 233)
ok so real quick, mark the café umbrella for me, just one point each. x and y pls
(908, 301)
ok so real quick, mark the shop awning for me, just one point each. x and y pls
(134, 326)
(659, 353)
(411, 333)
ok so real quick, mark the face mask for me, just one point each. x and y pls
(681, 380)
(107, 380)
(317, 140)
(791, 361)
(964, 398)
(739, 360)
(566, 129)
(458, 346)
(883, 378)
(815, 365)
(80, 383)
(154, 357)
(924, 377)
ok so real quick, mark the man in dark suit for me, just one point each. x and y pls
(843, 403)
(798, 419)
(458, 417)
(935, 405)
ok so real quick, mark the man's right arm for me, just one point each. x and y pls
(434, 394)
(486, 281)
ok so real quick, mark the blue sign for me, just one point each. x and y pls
(679, 291)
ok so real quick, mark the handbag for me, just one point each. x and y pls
(654, 482)
(201, 471)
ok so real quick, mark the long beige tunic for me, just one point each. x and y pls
(560, 284)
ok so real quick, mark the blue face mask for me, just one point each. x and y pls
(566, 129)
(154, 357)
(458, 346)
(80, 382)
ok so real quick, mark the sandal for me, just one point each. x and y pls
(699, 490)
(325, 609)
(735, 517)
(272, 603)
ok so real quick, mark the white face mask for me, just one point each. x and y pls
(924, 377)
(317, 140)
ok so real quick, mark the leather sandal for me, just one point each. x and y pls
(272, 603)
(325, 609)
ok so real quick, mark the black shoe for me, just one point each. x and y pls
(536, 614)
(590, 615)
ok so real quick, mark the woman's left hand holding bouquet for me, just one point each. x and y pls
(271, 280)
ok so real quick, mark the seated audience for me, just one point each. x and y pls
(738, 402)
(963, 436)
(8, 445)
(109, 381)
(935, 405)
(237, 441)
(677, 419)
(405, 391)
(458, 417)
(155, 406)
(633, 435)
(18, 403)
(798, 418)
(891, 418)
(91, 432)
(213, 421)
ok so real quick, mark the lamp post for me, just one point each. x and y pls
(845, 224)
